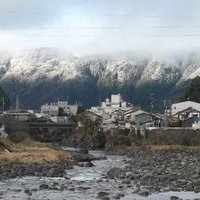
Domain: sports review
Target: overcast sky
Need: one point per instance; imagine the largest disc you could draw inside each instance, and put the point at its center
(91, 26)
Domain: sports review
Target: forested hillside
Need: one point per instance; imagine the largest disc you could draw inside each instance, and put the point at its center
(41, 76)
(4, 99)
(192, 91)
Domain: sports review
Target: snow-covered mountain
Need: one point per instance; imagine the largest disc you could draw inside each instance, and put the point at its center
(37, 64)
(25, 69)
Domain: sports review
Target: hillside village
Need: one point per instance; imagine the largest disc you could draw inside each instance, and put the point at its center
(112, 115)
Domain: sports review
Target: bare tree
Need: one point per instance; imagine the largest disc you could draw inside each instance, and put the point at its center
(12, 125)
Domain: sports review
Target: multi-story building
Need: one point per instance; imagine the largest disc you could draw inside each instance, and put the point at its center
(115, 104)
(53, 108)
(178, 107)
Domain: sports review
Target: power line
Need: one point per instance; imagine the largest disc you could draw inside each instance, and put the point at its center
(91, 14)
(100, 35)
(104, 27)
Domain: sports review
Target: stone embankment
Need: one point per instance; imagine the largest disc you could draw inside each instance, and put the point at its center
(159, 171)
(85, 141)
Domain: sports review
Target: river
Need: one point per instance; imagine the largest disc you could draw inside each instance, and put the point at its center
(84, 183)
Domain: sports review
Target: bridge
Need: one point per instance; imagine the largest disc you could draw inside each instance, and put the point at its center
(68, 125)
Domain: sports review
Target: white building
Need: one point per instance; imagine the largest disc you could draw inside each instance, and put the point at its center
(53, 108)
(178, 107)
(115, 104)
(72, 109)
(50, 109)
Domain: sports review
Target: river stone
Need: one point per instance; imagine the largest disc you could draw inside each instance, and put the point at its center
(197, 189)
(84, 151)
(102, 194)
(103, 198)
(81, 164)
(17, 190)
(116, 197)
(71, 189)
(89, 164)
(63, 186)
(156, 188)
(55, 183)
(30, 194)
(86, 188)
(129, 173)
(174, 189)
(174, 198)
(126, 181)
(43, 186)
(115, 172)
(53, 188)
(34, 190)
(136, 191)
(144, 193)
(26, 191)
(195, 176)
(189, 189)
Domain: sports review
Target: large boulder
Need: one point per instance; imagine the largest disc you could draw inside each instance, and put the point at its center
(99, 141)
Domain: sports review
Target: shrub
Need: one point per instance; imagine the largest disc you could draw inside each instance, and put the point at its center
(2, 144)
(18, 137)
(123, 132)
(118, 140)
(174, 137)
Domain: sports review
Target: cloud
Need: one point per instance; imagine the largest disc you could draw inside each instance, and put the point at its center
(106, 25)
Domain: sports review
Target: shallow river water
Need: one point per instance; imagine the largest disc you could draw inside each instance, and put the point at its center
(87, 182)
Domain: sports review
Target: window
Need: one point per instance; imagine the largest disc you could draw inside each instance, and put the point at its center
(174, 107)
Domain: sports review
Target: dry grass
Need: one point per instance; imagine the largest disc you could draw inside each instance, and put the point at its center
(29, 151)
(161, 147)
(121, 147)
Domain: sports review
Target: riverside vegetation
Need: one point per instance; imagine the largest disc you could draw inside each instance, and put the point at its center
(21, 156)
(30, 158)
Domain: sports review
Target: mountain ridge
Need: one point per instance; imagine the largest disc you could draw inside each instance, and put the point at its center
(55, 72)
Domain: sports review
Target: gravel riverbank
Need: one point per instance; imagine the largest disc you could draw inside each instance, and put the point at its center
(159, 171)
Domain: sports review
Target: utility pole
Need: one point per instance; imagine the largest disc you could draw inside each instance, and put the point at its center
(2, 99)
(152, 100)
(17, 103)
(99, 102)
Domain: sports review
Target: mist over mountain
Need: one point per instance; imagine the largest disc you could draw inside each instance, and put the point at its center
(45, 75)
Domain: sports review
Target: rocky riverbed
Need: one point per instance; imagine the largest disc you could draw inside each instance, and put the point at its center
(159, 171)
(121, 174)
